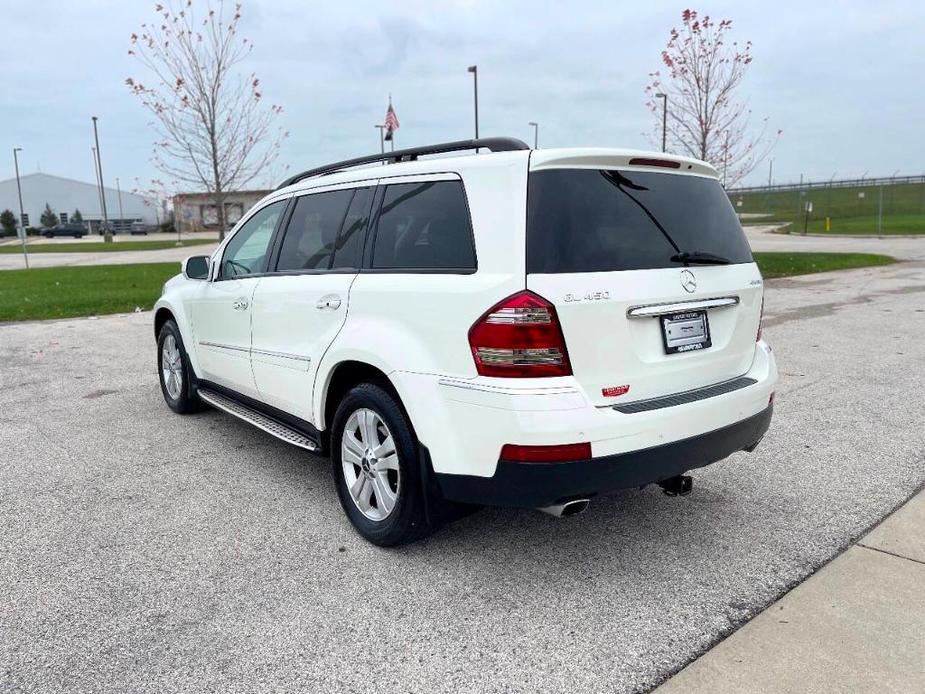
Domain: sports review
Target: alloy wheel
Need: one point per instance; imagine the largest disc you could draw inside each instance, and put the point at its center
(370, 464)
(172, 367)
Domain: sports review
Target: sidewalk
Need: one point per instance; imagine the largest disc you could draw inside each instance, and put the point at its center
(857, 625)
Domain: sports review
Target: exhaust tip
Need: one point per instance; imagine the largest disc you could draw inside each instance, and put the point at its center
(566, 508)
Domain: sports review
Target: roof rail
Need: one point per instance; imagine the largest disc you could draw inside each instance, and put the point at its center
(495, 144)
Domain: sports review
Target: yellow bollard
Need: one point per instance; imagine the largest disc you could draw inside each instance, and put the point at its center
(828, 224)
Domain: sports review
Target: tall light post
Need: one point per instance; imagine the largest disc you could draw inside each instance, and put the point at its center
(22, 238)
(474, 69)
(99, 186)
(664, 98)
(536, 134)
(107, 232)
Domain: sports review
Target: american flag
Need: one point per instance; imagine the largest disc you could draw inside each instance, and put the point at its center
(391, 122)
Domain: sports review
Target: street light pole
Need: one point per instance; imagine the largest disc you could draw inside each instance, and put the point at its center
(664, 98)
(121, 214)
(22, 238)
(536, 134)
(474, 69)
(99, 186)
(107, 232)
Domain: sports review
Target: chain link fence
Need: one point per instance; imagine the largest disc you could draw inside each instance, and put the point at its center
(894, 205)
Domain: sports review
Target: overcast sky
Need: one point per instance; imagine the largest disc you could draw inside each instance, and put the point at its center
(843, 80)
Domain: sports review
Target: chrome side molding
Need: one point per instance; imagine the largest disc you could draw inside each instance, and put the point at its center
(680, 306)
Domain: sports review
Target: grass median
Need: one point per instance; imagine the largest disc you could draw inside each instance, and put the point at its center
(789, 264)
(68, 292)
(100, 247)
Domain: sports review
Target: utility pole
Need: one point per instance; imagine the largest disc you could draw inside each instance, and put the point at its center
(99, 186)
(664, 98)
(119, 190)
(22, 226)
(107, 232)
(474, 69)
(536, 134)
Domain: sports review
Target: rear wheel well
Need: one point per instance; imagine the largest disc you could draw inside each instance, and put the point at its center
(347, 375)
(162, 316)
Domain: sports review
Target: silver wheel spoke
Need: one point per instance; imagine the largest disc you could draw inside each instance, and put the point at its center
(357, 487)
(385, 449)
(387, 463)
(352, 445)
(364, 497)
(385, 497)
(369, 429)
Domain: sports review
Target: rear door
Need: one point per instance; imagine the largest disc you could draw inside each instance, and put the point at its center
(300, 307)
(650, 273)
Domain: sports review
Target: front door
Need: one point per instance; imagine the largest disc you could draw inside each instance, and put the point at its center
(220, 311)
(300, 307)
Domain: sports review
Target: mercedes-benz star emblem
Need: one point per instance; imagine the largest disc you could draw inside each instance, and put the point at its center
(688, 281)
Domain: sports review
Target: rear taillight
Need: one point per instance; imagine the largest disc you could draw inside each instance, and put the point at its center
(760, 319)
(520, 338)
(561, 453)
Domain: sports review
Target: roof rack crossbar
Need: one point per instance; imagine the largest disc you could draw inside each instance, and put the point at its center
(494, 144)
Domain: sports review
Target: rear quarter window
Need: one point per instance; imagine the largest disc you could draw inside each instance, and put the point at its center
(424, 226)
(589, 220)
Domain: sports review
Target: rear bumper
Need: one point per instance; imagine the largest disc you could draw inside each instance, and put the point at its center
(530, 485)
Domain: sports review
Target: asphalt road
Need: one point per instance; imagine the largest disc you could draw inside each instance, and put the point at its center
(141, 551)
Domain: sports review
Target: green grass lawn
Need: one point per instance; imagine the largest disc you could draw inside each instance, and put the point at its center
(899, 224)
(86, 247)
(903, 208)
(787, 264)
(65, 292)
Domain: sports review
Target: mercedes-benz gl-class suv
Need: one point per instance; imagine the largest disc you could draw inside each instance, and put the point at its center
(517, 327)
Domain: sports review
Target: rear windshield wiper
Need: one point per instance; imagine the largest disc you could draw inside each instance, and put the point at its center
(619, 181)
(700, 258)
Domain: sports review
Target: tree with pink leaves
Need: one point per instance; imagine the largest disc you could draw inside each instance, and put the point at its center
(213, 129)
(707, 118)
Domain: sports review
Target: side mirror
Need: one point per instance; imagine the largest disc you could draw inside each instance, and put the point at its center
(197, 267)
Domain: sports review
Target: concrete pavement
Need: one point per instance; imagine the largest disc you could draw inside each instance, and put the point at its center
(858, 625)
(902, 247)
(142, 551)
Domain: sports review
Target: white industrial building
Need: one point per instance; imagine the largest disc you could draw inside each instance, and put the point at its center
(65, 195)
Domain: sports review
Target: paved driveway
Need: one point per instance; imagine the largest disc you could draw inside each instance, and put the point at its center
(903, 247)
(14, 261)
(141, 551)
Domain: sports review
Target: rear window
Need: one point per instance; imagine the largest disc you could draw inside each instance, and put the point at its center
(588, 220)
(424, 226)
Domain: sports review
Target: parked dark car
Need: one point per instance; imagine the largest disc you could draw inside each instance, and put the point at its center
(75, 230)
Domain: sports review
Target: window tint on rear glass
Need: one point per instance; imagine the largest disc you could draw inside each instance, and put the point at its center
(311, 234)
(586, 220)
(424, 226)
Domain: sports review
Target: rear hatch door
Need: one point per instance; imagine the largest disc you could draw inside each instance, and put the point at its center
(650, 273)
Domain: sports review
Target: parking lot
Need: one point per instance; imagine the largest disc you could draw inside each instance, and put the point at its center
(142, 551)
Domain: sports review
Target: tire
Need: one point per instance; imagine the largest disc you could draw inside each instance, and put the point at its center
(369, 411)
(175, 382)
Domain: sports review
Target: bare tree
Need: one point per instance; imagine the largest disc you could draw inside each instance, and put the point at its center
(707, 119)
(213, 129)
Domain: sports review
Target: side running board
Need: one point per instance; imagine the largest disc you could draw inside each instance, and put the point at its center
(258, 419)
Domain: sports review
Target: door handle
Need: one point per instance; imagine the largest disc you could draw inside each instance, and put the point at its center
(329, 302)
(239, 304)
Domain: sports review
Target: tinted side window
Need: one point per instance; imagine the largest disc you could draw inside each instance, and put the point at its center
(312, 231)
(246, 252)
(350, 239)
(424, 226)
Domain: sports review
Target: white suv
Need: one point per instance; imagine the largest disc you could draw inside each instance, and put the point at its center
(519, 327)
